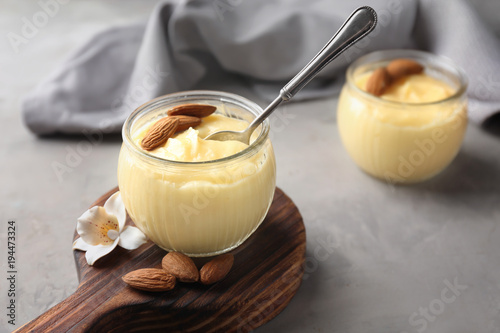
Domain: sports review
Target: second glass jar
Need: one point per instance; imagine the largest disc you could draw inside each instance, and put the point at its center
(402, 142)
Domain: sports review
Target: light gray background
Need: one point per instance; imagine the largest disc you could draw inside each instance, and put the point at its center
(389, 251)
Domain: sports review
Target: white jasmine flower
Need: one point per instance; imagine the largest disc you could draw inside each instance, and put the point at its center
(102, 228)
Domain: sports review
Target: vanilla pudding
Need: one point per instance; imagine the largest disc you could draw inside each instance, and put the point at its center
(195, 196)
(414, 129)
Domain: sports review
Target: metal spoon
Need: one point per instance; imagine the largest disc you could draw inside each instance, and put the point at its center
(361, 22)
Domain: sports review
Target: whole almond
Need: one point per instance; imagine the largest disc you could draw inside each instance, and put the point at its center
(193, 110)
(402, 67)
(186, 121)
(159, 133)
(150, 279)
(180, 266)
(378, 82)
(216, 269)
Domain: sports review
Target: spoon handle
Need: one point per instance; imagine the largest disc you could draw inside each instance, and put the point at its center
(361, 22)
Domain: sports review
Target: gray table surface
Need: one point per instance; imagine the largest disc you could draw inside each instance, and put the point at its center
(422, 258)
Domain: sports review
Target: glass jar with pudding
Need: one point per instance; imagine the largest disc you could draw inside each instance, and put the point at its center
(402, 114)
(195, 196)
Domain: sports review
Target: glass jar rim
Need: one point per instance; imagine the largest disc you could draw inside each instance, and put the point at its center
(250, 106)
(387, 55)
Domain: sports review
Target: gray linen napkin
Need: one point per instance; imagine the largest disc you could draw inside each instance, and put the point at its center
(248, 46)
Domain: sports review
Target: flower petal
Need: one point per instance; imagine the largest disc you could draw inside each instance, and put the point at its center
(94, 224)
(79, 244)
(114, 206)
(99, 251)
(131, 238)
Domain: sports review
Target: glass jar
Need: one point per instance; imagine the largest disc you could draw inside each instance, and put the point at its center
(402, 142)
(197, 208)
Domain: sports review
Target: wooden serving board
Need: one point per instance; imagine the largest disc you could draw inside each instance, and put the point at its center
(266, 274)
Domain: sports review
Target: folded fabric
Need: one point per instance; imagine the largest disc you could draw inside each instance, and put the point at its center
(248, 47)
